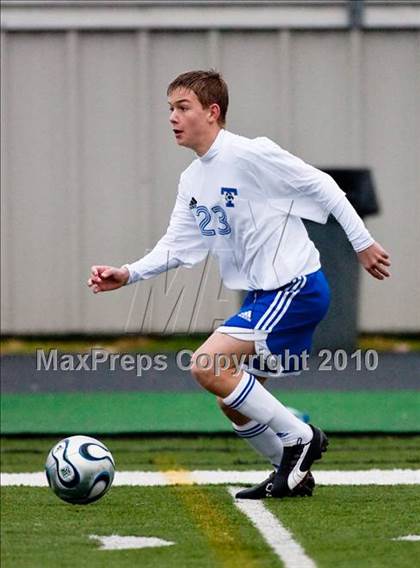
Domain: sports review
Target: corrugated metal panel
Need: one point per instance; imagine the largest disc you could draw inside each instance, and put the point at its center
(213, 14)
(392, 148)
(90, 169)
(40, 220)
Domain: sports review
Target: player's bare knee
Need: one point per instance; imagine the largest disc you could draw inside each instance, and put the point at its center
(202, 374)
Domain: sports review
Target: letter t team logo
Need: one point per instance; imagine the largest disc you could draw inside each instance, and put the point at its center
(229, 193)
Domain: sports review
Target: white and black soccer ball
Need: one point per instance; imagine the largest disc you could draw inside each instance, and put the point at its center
(80, 469)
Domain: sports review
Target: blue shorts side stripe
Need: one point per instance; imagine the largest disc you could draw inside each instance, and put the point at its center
(277, 305)
(291, 294)
(245, 391)
(267, 313)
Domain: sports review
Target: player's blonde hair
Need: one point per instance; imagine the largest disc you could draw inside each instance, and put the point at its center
(209, 88)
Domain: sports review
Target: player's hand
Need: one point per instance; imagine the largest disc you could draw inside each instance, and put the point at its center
(106, 278)
(375, 260)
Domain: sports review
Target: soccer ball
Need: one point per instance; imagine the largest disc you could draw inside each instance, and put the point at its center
(80, 469)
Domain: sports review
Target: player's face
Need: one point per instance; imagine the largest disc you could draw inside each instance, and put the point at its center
(191, 124)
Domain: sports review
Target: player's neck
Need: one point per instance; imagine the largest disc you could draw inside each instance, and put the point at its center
(206, 143)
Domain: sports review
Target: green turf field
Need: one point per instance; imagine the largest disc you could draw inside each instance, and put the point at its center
(339, 526)
(218, 452)
(196, 412)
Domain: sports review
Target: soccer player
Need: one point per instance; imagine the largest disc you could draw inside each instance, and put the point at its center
(243, 200)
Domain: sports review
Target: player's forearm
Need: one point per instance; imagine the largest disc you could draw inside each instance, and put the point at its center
(353, 225)
(153, 264)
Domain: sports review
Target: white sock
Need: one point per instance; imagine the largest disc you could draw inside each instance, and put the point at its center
(262, 438)
(254, 401)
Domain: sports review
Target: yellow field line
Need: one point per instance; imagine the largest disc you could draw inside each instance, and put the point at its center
(224, 541)
(180, 477)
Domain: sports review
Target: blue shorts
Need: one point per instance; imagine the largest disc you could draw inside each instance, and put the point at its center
(281, 323)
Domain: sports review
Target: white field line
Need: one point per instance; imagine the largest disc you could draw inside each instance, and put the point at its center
(274, 533)
(116, 542)
(221, 477)
(408, 538)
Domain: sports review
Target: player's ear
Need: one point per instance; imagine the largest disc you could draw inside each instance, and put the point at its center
(214, 112)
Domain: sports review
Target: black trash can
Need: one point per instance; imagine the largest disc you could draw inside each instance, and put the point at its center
(340, 327)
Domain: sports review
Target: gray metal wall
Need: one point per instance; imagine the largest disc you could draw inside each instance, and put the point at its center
(90, 170)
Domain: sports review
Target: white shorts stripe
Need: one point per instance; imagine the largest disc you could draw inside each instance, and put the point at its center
(282, 300)
(287, 303)
(268, 311)
(274, 306)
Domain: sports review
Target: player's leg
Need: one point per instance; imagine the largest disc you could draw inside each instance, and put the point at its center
(290, 319)
(260, 437)
(290, 332)
(265, 442)
(303, 443)
(302, 304)
(240, 390)
(215, 366)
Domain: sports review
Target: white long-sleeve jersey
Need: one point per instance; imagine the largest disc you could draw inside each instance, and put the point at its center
(243, 201)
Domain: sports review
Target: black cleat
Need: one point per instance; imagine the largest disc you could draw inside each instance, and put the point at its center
(296, 463)
(263, 490)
